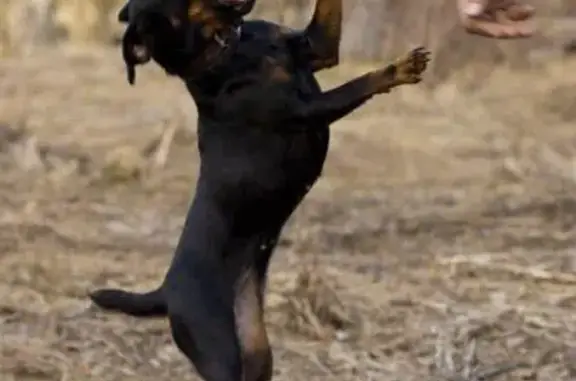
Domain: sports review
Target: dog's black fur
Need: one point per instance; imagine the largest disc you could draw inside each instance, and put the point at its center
(317, 46)
(263, 131)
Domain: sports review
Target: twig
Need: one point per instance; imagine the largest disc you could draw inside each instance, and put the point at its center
(470, 359)
(163, 149)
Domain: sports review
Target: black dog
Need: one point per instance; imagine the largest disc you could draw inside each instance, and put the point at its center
(263, 133)
(318, 46)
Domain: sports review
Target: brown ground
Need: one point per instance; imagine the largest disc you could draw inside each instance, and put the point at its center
(439, 242)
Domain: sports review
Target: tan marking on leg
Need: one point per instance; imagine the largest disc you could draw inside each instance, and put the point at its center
(251, 329)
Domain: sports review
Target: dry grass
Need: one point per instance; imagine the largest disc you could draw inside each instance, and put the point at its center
(438, 246)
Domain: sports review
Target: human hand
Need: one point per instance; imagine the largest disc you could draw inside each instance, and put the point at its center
(496, 18)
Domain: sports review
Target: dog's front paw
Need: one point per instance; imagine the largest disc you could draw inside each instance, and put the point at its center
(409, 69)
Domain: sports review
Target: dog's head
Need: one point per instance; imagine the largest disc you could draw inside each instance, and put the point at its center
(175, 32)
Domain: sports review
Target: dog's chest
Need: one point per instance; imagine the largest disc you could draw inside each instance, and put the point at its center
(276, 69)
(264, 55)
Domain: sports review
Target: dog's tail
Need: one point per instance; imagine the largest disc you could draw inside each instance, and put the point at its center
(148, 304)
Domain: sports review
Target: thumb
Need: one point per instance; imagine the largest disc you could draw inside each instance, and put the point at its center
(472, 8)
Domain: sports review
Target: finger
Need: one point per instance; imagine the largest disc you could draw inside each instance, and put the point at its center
(501, 18)
(520, 12)
(494, 29)
(512, 28)
(472, 8)
(516, 10)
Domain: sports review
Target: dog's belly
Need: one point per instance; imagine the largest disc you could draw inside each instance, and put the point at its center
(264, 175)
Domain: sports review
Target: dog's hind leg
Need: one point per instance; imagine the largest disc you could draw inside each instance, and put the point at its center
(146, 304)
(249, 311)
(202, 321)
(200, 294)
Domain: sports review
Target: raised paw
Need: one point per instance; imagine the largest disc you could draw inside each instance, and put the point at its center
(409, 68)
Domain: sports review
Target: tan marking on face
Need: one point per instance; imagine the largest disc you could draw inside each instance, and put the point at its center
(199, 12)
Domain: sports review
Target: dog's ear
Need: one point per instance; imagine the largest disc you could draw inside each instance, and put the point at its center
(124, 13)
(134, 52)
(128, 54)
